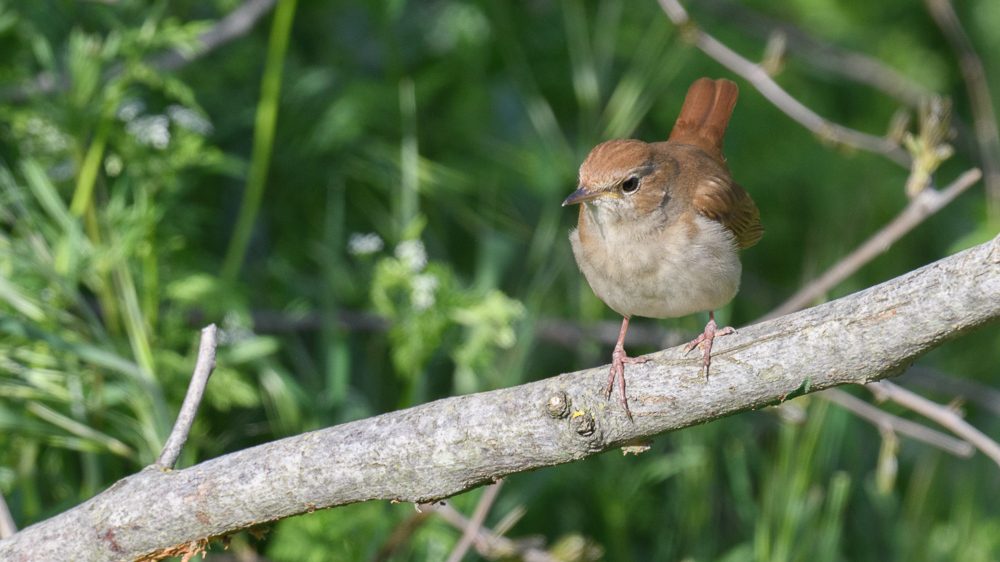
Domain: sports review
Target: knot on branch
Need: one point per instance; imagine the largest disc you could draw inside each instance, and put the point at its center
(584, 423)
(558, 405)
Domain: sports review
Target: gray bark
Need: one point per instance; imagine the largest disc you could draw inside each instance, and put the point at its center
(445, 447)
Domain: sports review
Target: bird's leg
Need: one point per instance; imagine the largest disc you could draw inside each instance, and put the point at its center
(618, 360)
(705, 341)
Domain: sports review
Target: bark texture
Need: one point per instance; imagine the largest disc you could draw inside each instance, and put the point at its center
(445, 447)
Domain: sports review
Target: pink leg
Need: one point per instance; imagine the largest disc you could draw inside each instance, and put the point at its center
(618, 360)
(705, 341)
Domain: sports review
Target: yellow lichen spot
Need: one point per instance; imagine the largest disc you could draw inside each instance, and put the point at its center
(577, 413)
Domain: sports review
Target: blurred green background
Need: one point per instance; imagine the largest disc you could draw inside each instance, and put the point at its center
(365, 196)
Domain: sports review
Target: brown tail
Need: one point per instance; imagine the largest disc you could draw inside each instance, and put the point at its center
(705, 115)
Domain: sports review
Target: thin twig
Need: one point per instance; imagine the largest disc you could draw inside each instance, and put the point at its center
(492, 545)
(401, 535)
(476, 522)
(203, 368)
(822, 55)
(885, 390)
(234, 25)
(569, 334)
(832, 59)
(565, 333)
(975, 392)
(270, 321)
(774, 93)
(882, 419)
(925, 204)
(984, 119)
(7, 525)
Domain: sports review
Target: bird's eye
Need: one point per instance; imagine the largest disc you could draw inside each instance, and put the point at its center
(630, 185)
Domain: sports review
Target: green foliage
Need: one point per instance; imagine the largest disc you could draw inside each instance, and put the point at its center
(423, 300)
(350, 533)
(403, 239)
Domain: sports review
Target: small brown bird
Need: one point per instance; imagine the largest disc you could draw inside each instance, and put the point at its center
(661, 224)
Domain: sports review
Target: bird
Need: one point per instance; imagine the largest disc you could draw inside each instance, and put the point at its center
(661, 224)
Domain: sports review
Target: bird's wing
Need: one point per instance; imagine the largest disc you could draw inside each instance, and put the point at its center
(730, 204)
(702, 123)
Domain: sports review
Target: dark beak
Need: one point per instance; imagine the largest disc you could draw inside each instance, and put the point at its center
(581, 195)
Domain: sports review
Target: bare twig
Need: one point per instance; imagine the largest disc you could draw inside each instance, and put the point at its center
(270, 321)
(569, 334)
(822, 55)
(476, 522)
(492, 545)
(234, 25)
(984, 119)
(925, 204)
(885, 390)
(565, 333)
(203, 368)
(401, 535)
(832, 59)
(882, 419)
(781, 99)
(977, 393)
(7, 525)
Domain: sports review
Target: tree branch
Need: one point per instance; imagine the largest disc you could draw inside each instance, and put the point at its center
(984, 119)
(885, 390)
(491, 544)
(7, 525)
(559, 331)
(969, 390)
(925, 204)
(203, 368)
(448, 446)
(827, 59)
(475, 524)
(234, 25)
(774, 93)
(884, 420)
(821, 54)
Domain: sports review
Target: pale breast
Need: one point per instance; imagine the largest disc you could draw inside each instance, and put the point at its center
(683, 269)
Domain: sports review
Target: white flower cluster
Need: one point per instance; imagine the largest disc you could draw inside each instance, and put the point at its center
(131, 109)
(113, 165)
(363, 244)
(412, 254)
(422, 289)
(151, 130)
(154, 130)
(46, 134)
(189, 119)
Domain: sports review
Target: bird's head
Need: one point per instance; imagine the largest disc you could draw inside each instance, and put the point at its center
(625, 180)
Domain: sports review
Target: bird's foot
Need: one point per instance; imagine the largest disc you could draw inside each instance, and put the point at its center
(618, 361)
(704, 341)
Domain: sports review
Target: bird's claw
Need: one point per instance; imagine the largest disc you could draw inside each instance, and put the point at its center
(618, 361)
(704, 341)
